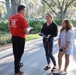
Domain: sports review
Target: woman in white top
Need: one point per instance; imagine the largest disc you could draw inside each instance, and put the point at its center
(65, 43)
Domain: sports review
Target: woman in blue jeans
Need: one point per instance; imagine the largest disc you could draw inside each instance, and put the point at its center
(49, 30)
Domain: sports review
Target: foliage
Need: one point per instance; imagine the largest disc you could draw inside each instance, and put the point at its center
(57, 21)
(73, 22)
(60, 7)
(36, 24)
(5, 38)
(4, 26)
(32, 36)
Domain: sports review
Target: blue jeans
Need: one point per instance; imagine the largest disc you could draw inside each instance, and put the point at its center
(48, 45)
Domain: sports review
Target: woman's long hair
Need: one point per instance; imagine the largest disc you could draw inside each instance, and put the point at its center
(69, 25)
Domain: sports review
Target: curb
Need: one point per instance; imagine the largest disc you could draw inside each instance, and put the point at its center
(9, 51)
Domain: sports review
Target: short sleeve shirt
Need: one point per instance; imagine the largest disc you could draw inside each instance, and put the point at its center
(17, 24)
(66, 36)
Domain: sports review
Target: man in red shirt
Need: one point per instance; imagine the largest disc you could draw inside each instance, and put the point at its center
(18, 28)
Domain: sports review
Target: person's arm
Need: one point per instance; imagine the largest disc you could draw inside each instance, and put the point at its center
(69, 39)
(55, 31)
(42, 30)
(25, 26)
(59, 44)
(26, 31)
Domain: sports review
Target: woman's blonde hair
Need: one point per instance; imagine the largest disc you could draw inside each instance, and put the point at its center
(69, 25)
(49, 15)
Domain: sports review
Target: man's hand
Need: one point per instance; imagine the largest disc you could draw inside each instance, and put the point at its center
(27, 30)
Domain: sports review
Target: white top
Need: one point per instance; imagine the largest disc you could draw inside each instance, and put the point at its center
(64, 37)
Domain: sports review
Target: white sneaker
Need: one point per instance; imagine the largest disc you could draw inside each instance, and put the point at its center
(63, 72)
(56, 71)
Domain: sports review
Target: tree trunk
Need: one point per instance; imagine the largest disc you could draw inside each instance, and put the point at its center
(13, 7)
(8, 8)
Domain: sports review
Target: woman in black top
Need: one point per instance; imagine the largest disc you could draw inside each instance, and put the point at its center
(49, 30)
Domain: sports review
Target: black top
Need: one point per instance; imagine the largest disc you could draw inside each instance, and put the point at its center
(51, 29)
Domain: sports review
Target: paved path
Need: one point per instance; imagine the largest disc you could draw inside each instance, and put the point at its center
(34, 59)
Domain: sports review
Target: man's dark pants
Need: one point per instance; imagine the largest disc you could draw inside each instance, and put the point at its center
(18, 50)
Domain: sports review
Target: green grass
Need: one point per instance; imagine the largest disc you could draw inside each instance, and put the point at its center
(32, 37)
(5, 37)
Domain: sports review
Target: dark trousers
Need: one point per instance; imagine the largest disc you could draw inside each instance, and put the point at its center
(18, 50)
(48, 45)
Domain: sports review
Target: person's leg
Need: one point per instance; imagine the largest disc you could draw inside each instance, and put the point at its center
(21, 45)
(50, 48)
(18, 43)
(66, 62)
(15, 52)
(60, 55)
(46, 51)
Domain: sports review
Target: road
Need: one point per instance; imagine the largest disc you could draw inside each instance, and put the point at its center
(34, 59)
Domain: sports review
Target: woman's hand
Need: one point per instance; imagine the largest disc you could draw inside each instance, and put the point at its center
(48, 36)
(64, 50)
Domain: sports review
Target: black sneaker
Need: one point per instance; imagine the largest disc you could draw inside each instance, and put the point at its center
(19, 73)
(47, 68)
(21, 64)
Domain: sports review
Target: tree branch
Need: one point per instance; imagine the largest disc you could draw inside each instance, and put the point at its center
(59, 3)
(52, 8)
(70, 3)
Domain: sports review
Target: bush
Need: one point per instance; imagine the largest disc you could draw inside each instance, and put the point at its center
(73, 22)
(57, 21)
(36, 24)
(5, 38)
(4, 26)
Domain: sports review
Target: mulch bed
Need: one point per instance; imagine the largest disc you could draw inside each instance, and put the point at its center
(4, 47)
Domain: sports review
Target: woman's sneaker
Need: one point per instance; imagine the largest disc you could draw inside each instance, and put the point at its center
(53, 69)
(47, 68)
(63, 72)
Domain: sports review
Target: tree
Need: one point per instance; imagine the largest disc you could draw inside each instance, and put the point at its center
(14, 5)
(7, 2)
(12, 9)
(59, 7)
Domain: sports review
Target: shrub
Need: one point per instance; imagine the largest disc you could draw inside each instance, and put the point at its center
(4, 26)
(5, 38)
(36, 24)
(73, 22)
(57, 21)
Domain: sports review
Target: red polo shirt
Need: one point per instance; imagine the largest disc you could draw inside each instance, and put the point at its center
(17, 25)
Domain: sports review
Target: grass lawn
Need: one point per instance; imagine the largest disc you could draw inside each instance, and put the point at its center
(32, 36)
(5, 37)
